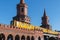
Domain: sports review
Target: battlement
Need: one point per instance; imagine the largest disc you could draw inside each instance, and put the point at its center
(6, 26)
(27, 27)
(10, 27)
(15, 29)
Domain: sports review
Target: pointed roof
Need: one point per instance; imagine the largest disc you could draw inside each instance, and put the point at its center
(22, 1)
(44, 13)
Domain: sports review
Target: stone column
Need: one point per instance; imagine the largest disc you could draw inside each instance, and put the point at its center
(5, 37)
(35, 38)
(42, 38)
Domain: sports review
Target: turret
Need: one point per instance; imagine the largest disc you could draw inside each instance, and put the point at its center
(22, 8)
(45, 21)
(21, 13)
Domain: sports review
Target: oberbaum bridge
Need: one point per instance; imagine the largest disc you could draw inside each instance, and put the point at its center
(20, 27)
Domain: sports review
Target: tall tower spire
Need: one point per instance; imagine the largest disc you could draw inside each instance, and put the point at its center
(21, 13)
(45, 21)
(45, 18)
(44, 13)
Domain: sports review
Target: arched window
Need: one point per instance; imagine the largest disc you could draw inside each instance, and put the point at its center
(2, 37)
(28, 37)
(39, 38)
(22, 9)
(10, 37)
(23, 37)
(32, 38)
(17, 37)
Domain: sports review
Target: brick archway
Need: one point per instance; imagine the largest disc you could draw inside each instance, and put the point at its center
(10, 37)
(2, 37)
(17, 37)
(23, 37)
(32, 38)
(46, 37)
(28, 37)
(39, 38)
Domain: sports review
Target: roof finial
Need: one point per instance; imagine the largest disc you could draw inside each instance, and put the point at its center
(21, 1)
(44, 12)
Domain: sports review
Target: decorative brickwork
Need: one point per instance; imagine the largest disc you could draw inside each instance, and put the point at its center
(7, 30)
(21, 13)
(21, 28)
(45, 21)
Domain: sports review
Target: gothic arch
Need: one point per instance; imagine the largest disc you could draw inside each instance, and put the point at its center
(2, 37)
(28, 37)
(23, 37)
(32, 38)
(10, 37)
(17, 37)
(39, 38)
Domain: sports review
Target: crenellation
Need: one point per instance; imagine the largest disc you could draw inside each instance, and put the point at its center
(21, 26)
(17, 28)
(5, 26)
(1, 25)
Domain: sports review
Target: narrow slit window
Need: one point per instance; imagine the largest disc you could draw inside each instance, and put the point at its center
(22, 9)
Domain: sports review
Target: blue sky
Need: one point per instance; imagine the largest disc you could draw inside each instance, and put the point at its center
(35, 11)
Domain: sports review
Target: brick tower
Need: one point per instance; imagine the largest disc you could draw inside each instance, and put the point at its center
(21, 13)
(45, 21)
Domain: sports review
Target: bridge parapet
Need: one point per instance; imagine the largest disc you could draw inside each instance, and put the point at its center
(27, 27)
(14, 28)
